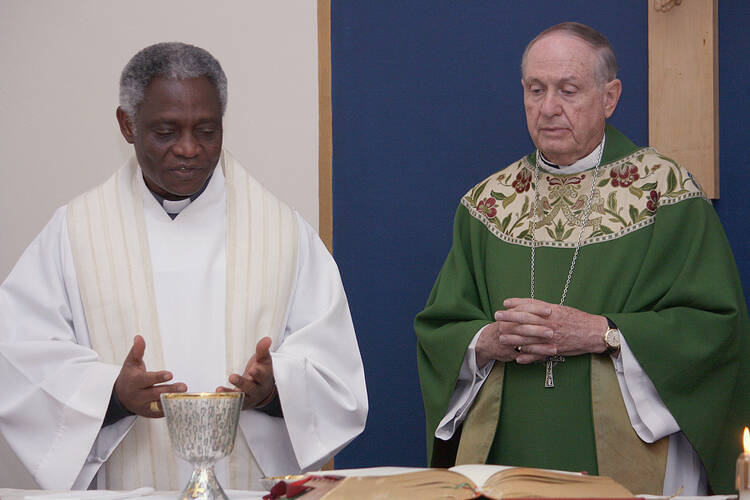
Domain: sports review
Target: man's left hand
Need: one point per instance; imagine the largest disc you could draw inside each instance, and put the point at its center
(574, 331)
(257, 381)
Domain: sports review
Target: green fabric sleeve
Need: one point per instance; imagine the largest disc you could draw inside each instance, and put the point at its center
(688, 328)
(457, 308)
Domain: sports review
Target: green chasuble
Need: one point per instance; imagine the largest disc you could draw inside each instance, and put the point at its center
(654, 258)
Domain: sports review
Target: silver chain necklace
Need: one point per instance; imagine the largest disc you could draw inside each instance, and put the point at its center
(551, 361)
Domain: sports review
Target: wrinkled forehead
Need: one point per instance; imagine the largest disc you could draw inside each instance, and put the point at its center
(561, 53)
(199, 86)
(178, 97)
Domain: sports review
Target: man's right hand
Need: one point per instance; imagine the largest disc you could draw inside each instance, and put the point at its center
(498, 339)
(137, 388)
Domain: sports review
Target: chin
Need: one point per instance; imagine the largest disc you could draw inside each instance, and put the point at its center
(188, 191)
(186, 185)
(549, 151)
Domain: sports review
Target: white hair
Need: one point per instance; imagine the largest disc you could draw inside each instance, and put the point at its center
(606, 69)
(173, 61)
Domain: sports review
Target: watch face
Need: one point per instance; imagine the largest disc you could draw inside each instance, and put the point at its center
(613, 338)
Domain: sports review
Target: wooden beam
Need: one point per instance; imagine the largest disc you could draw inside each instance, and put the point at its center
(325, 126)
(325, 135)
(683, 86)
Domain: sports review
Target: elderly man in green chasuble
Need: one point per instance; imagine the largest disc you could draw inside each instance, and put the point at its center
(589, 316)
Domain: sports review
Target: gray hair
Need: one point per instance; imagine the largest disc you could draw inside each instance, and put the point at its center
(173, 61)
(606, 70)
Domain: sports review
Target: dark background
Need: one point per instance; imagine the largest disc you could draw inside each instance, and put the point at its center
(427, 102)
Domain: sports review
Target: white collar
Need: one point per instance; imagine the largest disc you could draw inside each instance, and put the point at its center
(175, 206)
(214, 189)
(585, 163)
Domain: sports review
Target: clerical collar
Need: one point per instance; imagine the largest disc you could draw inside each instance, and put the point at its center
(585, 163)
(174, 207)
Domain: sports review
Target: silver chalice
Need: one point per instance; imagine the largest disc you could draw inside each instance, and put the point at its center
(202, 427)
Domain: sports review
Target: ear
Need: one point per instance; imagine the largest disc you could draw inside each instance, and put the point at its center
(126, 126)
(612, 91)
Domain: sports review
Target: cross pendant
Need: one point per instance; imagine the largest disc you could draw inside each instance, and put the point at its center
(549, 379)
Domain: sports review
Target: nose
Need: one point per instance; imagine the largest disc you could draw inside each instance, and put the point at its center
(186, 146)
(551, 104)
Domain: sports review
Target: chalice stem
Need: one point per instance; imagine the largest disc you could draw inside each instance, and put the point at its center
(203, 485)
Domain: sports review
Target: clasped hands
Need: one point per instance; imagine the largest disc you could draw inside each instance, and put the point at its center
(138, 389)
(540, 329)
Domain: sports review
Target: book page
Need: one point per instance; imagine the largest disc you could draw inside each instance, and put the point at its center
(479, 473)
(460, 483)
(522, 482)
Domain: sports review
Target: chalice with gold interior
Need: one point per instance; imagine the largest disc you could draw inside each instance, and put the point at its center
(202, 427)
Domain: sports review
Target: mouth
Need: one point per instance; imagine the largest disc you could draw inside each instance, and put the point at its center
(553, 130)
(187, 172)
(183, 169)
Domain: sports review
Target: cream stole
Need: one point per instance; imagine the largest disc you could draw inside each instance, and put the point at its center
(620, 453)
(110, 249)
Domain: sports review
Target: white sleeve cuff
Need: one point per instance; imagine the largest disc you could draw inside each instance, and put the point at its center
(649, 416)
(470, 380)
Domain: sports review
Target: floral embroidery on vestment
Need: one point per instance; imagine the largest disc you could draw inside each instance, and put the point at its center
(627, 197)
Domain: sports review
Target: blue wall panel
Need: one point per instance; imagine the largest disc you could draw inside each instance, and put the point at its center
(427, 101)
(733, 206)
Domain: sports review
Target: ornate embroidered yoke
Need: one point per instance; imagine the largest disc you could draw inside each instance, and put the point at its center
(628, 194)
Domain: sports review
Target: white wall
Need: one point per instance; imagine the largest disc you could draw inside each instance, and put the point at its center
(60, 63)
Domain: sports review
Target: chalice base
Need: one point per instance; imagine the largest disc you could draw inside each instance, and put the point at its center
(203, 485)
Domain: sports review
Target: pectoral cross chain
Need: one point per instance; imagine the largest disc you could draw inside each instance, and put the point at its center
(549, 379)
(537, 212)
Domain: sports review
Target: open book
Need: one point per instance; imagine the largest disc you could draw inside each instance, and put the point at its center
(466, 482)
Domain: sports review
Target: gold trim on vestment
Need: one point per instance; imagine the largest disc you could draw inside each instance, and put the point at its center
(481, 423)
(620, 453)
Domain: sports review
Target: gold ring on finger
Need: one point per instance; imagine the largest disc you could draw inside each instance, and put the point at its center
(154, 407)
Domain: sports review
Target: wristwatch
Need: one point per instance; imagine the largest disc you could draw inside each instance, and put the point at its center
(612, 339)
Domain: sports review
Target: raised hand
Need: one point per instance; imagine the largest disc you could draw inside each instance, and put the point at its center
(257, 380)
(137, 388)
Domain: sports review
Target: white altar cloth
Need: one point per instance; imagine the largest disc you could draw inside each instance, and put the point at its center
(150, 494)
(140, 494)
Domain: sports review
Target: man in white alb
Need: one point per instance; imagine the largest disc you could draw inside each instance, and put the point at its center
(179, 273)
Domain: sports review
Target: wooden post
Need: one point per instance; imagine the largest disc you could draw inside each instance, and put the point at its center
(683, 86)
(325, 134)
(325, 128)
